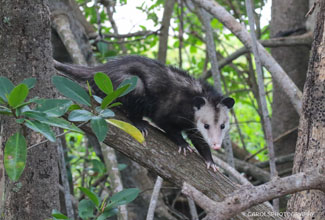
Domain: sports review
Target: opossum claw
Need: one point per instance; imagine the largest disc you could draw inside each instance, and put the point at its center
(212, 165)
(185, 149)
(144, 132)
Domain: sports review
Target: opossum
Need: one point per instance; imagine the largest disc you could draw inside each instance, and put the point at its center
(171, 98)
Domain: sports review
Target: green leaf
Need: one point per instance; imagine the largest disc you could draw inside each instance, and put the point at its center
(99, 127)
(91, 195)
(108, 213)
(80, 115)
(5, 88)
(20, 120)
(124, 197)
(58, 215)
(89, 89)
(71, 90)
(22, 109)
(114, 104)
(132, 82)
(98, 99)
(128, 128)
(29, 82)
(53, 107)
(2, 102)
(114, 95)
(5, 111)
(102, 47)
(15, 154)
(86, 209)
(44, 129)
(61, 123)
(28, 102)
(106, 113)
(98, 166)
(103, 82)
(74, 107)
(18, 95)
(40, 116)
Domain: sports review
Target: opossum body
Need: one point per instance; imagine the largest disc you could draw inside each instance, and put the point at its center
(171, 98)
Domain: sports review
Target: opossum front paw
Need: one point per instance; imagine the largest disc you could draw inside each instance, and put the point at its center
(144, 132)
(212, 165)
(184, 149)
(143, 127)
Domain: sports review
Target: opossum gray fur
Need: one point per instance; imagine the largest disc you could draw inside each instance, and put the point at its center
(171, 98)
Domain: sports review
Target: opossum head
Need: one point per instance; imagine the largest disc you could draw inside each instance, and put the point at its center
(212, 120)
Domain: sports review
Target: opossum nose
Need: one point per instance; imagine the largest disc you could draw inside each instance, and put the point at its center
(216, 146)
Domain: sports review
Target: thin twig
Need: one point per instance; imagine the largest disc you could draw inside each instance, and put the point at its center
(154, 198)
(192, 207)
(65, 181)
(2, 170)
(180, 15)
(312, 8)
(266, 119)
(59, 135)
(135, 34)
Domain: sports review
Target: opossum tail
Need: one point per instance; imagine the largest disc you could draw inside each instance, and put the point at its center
(80, 73)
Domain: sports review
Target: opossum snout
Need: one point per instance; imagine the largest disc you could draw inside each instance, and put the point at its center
(216, 146)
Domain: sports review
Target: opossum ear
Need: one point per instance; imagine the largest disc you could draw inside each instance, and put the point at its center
(198, 102)
(229, 102)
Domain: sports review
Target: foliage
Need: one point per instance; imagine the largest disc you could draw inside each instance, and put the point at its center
(103, 208)
(45, 113)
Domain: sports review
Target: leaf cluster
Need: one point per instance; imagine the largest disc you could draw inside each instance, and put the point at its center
(40, 114)
(95, 208)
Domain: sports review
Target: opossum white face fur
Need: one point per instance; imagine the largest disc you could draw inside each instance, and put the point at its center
(212, 121)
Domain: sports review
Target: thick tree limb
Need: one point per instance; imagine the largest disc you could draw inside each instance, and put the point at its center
(267, 60)
(160, 155)
(249, 196)
(62, 26)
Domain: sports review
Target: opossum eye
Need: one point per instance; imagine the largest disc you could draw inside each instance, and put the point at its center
(222, 126)
(206, 126)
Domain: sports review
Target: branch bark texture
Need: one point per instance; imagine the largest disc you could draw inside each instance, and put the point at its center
(310, 149)
(248, 196)
(161, 156)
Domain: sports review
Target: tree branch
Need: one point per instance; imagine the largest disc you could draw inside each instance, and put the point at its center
(61, 24)
(248, 196)
(267, 60)
(160, 155)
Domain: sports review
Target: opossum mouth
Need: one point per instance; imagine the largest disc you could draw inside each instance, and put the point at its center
(216, 148)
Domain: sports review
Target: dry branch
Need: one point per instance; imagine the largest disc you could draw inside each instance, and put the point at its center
(267, 60)
(248, 196)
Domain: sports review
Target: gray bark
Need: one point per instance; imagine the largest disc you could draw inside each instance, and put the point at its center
(25, 42)
(310, 149)
(161, 156)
